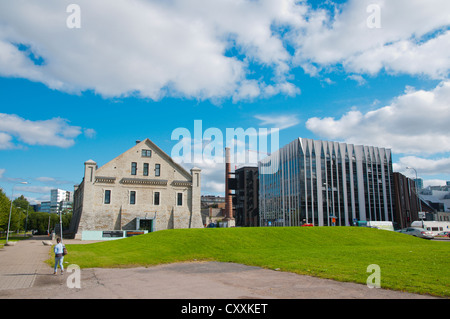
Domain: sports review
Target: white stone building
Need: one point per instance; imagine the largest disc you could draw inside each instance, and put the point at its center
(141, 189)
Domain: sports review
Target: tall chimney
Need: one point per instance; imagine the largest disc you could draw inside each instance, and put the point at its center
(228, 195)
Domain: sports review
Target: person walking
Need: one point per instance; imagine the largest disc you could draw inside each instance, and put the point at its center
(59, 257)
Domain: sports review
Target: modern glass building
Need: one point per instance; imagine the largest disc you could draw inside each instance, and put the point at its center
(324, 184)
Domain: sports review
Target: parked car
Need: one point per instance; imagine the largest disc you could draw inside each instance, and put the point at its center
(418, 232)
(444, 234)
(432, 225)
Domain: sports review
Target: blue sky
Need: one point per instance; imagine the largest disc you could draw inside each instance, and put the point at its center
(134, 71)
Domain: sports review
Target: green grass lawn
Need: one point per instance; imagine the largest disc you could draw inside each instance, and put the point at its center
(341, 253)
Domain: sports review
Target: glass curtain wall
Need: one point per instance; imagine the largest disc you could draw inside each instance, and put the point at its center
(325, 184)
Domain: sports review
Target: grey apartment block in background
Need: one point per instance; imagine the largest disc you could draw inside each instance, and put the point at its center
(324, 184)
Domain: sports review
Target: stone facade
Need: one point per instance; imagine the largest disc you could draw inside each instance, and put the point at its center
(142, 188)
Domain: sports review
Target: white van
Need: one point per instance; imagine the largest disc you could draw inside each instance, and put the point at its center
(434, 226)
(381, 225)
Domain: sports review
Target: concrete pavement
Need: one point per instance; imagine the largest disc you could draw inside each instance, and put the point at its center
(23, 274)
(21, 263)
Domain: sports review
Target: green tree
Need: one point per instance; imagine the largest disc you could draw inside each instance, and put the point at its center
(42, 221)
(5, 206)
(4, 211)
(21, 202)
(66, 218)
(39, 221)
(23, 206)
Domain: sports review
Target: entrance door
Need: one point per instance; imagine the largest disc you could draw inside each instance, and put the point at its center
(146, 224)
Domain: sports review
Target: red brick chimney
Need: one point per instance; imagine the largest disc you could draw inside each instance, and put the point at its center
(228, 194)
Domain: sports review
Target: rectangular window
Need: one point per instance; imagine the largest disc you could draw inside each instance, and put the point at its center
(107, 196)
(157, 169)
(179, 199)
(132, 197)
(145, 169)
(146, 153)
(133, 168)
(156, 200)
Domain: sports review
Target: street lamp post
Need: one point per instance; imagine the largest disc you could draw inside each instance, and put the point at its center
(415, 190)
(60, 224)
(10, 209)
(18, 222)
(330, 208)
(26, 221)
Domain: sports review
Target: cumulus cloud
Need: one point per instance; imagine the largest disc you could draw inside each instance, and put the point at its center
(209, 49)
(406, 57)
(54, 132)
(424, 166)
(413, 38)
(149, 48)
(414, 122)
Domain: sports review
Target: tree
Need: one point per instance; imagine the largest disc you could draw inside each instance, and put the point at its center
(4, 211)
(5, 206)
(39, 221)
(21, 202)
(23, 206)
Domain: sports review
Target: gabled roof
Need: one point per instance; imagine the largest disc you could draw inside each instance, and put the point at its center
(168, 158)
(160, 152)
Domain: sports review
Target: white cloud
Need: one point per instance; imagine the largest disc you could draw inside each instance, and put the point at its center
(431, 58)
(246, 153)
(213, 178)
(53, 132)
(35, 189)
(90, 133)
(414, 122)
(358, 78)
(149, 48)
(413, 38)
(205, 49)
(424, 166)
(52, 181)
(251, 89)
(213, 166)
(212, 175)
(5, 141)
(278, 121)
(2, 171)
(434, 182)
(39, 199)
(179, 47)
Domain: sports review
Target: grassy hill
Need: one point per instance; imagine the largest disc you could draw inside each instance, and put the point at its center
(341, 253)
